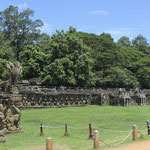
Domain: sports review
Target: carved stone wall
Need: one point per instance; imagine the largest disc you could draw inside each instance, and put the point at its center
(40, 97)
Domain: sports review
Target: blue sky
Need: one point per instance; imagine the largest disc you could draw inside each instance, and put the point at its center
(117, 17)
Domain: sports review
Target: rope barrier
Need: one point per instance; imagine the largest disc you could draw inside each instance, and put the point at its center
(107, 130)
(134, 131)
(63, 127)
(78, 127)
(143, 130)
(52, 127)
(117, 143)
(124, 138)
(105, 143)
(142, 134)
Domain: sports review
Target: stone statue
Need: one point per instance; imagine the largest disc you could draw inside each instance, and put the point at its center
(14, 70)
(10, 100)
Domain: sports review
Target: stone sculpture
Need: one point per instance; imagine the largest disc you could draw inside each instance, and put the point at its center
(9, 102)
(14, 70)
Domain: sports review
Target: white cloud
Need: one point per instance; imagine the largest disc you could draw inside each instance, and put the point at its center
(114, 32)
(22, 6)
(99, 12)
(47, 28)
(83, 28)
(119, 32)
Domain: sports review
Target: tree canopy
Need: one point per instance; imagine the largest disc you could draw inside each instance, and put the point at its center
(71, 58)
(19, 28)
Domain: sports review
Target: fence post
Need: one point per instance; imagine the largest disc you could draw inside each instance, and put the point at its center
(90, 131)
(148, 127)
(65, 130)
(49, 144)
(135, 132)
(96, 139)
(41, 129)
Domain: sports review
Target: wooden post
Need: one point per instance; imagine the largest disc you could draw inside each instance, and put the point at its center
(49, 144)
(41, 129)
(135, 132)
(90, 131)
(65, 130)
(96, 139)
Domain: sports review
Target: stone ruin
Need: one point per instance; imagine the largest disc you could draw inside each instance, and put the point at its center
(10, 101)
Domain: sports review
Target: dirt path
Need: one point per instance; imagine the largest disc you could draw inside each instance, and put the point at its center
(44, 148)
(142, 145)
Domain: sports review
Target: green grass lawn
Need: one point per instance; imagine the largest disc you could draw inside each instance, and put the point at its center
(106, 117)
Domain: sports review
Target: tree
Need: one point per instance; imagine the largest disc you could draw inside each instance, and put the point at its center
(119, 77)
(6, 55)
(102, 49)
(70, 61)
(19, 28)
(33, 61)
(6, 51)
(143, 48)
(124, 41)
(139, 39)
(140, 43)
(143, 75)
(106, 35)
(59, 72)
(44, 42)
(141, 70)
(111, 60)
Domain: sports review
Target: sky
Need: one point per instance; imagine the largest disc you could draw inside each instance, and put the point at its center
(117, 17)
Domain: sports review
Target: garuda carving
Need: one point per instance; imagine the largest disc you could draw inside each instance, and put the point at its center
(14, 70)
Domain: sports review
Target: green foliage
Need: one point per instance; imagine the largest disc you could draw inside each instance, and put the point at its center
(124, 41)
(32, 61)
(114, 63)
(3, 70)
(107, 36)
(139, 39)
(119, 77)
(70, 62)
(140, 43)
(143, 74)
(6, 54)
(71, 58)
(142, 71)
(44, 42)
(19, 28)
(59, 72)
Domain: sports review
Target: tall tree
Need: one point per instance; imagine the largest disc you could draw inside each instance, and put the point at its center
(6, 54)
(124, 41)
(138, 40)
(32, 61)
(106, 35)
(19, 28)
(140, 43)
(44, 42)
(70, 61)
